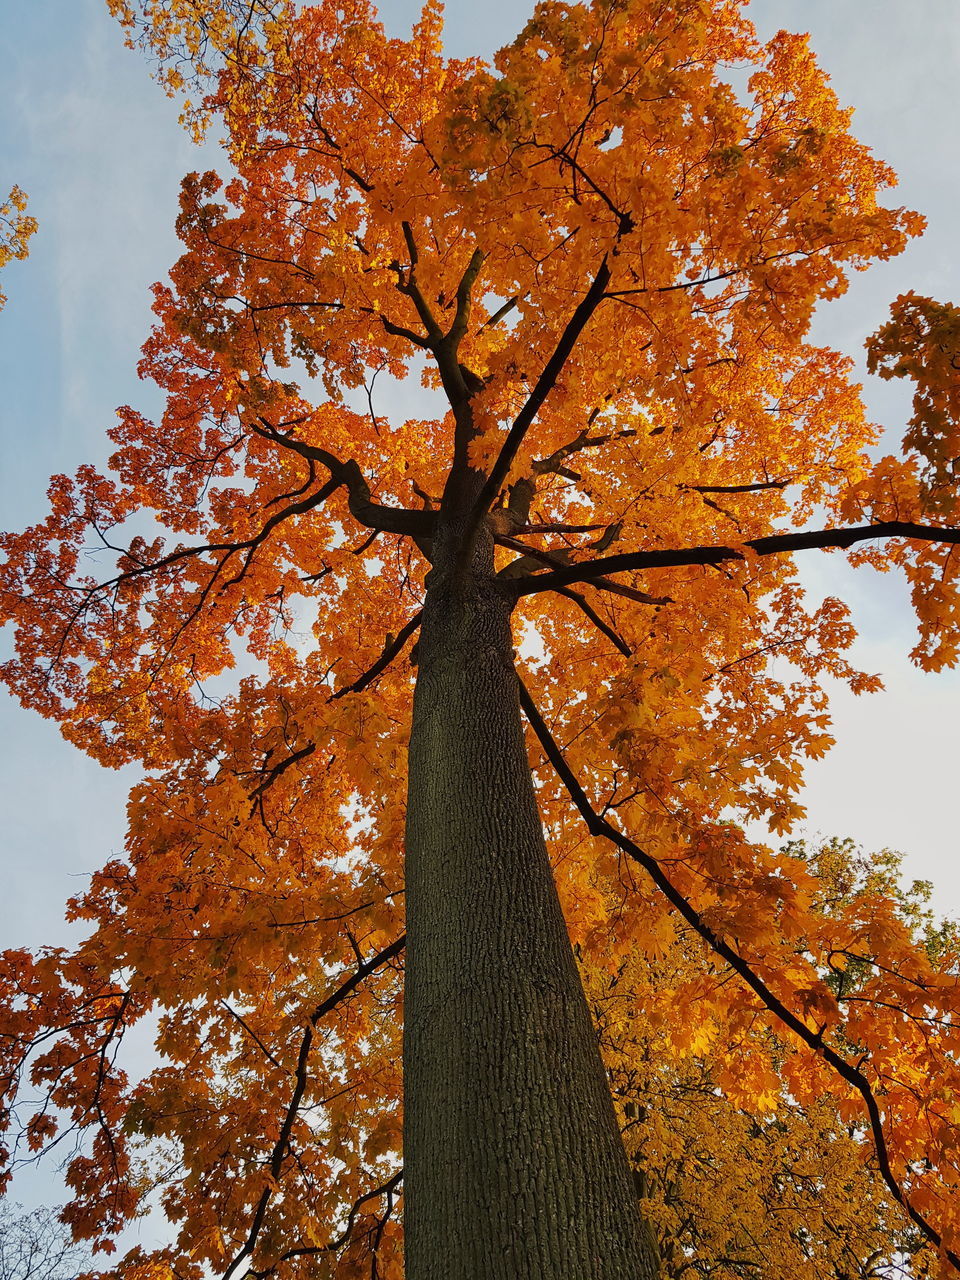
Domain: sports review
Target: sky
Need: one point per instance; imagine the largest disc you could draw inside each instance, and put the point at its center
(97, 147)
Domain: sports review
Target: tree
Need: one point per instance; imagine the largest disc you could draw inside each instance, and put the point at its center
(601, 260)
(35, 1246)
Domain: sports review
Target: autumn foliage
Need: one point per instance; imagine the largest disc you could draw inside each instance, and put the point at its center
(16, 228)
(600, 257)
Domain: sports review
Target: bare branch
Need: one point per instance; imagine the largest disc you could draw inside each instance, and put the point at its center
(500, 313)
(738, 488)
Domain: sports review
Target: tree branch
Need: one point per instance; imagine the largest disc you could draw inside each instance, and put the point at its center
(461, 318)
(775, 544)
(348, 475)
(387, 1189)
(391, 648)
(408, 285)
(500, 313)
(363, 972)
(251, 1033)
(738, 488)
(534, 556)
(543, 466)
(280, 768)
(544, 385)
(279, 1152)
(599, 826)
(597, 621)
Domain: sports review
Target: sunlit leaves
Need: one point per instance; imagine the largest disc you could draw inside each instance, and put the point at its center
(16, 228)
(921, 342)
(232, 609)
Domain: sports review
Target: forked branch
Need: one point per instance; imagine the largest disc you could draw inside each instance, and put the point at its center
(542, 388)
(348, 475)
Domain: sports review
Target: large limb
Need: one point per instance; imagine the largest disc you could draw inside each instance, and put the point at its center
(542, 388)
(533, 558)
(599, 826)
(349, 476)
(775, 544)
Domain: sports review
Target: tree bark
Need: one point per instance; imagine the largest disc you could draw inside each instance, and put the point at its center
(514, 1165)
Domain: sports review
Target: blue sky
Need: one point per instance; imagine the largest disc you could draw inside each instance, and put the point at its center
(97, 147)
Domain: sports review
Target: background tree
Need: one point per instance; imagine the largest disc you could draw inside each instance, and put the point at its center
(35, 1245)
(603, 261)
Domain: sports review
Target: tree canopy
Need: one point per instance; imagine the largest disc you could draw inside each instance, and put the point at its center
(600, 256)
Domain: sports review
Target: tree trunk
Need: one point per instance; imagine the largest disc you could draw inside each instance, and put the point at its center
(514, 1166)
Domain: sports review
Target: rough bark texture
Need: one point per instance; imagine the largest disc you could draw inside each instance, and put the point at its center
(514, 1163)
